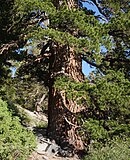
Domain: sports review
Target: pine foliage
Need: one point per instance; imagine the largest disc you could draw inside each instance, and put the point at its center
(101, 40)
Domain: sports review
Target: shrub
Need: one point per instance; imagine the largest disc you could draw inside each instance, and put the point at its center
(107, 114)
(113, 150)
(15, 141)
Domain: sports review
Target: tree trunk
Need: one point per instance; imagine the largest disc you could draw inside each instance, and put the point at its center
(62, 123)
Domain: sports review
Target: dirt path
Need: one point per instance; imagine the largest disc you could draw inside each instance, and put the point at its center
(37, 156)
(45, 149)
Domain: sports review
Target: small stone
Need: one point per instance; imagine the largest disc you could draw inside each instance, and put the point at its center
(45, 158)
(41, 147)
(52, 149)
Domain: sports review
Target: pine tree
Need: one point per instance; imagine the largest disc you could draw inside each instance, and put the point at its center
(70, 33)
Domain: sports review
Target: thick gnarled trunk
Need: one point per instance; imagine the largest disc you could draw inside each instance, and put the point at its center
(62, 123)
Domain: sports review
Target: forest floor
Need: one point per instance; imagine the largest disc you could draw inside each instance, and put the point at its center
(45, 149)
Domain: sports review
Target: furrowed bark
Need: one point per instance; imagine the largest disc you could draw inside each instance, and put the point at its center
(62, 122)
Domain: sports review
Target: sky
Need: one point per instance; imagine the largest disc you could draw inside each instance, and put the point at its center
(92, 7)
(86, 67)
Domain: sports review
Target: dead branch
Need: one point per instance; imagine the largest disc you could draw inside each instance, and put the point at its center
(71, 123)
(6, 47)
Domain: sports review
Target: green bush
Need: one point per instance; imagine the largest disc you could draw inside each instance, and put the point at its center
(15, 141)
(107, 114)
(113, 150)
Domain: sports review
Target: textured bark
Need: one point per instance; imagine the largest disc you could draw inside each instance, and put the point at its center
(70, 3)
(62, 123)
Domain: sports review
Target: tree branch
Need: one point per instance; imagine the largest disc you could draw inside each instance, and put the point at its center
(98, 7)
(45, 47)
(5, 47)
(109, 59)
(89, 62)
(96, 4)
(71, 123)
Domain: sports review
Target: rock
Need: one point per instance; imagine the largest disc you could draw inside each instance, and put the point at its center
(47, 146)
(52, 149)
(41, 148)
(45, 158)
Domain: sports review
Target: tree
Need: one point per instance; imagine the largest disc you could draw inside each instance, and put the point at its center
(62, 57)
(72, 34)
(67, 60)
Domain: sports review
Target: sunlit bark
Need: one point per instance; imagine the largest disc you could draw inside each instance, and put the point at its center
(62, 123)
